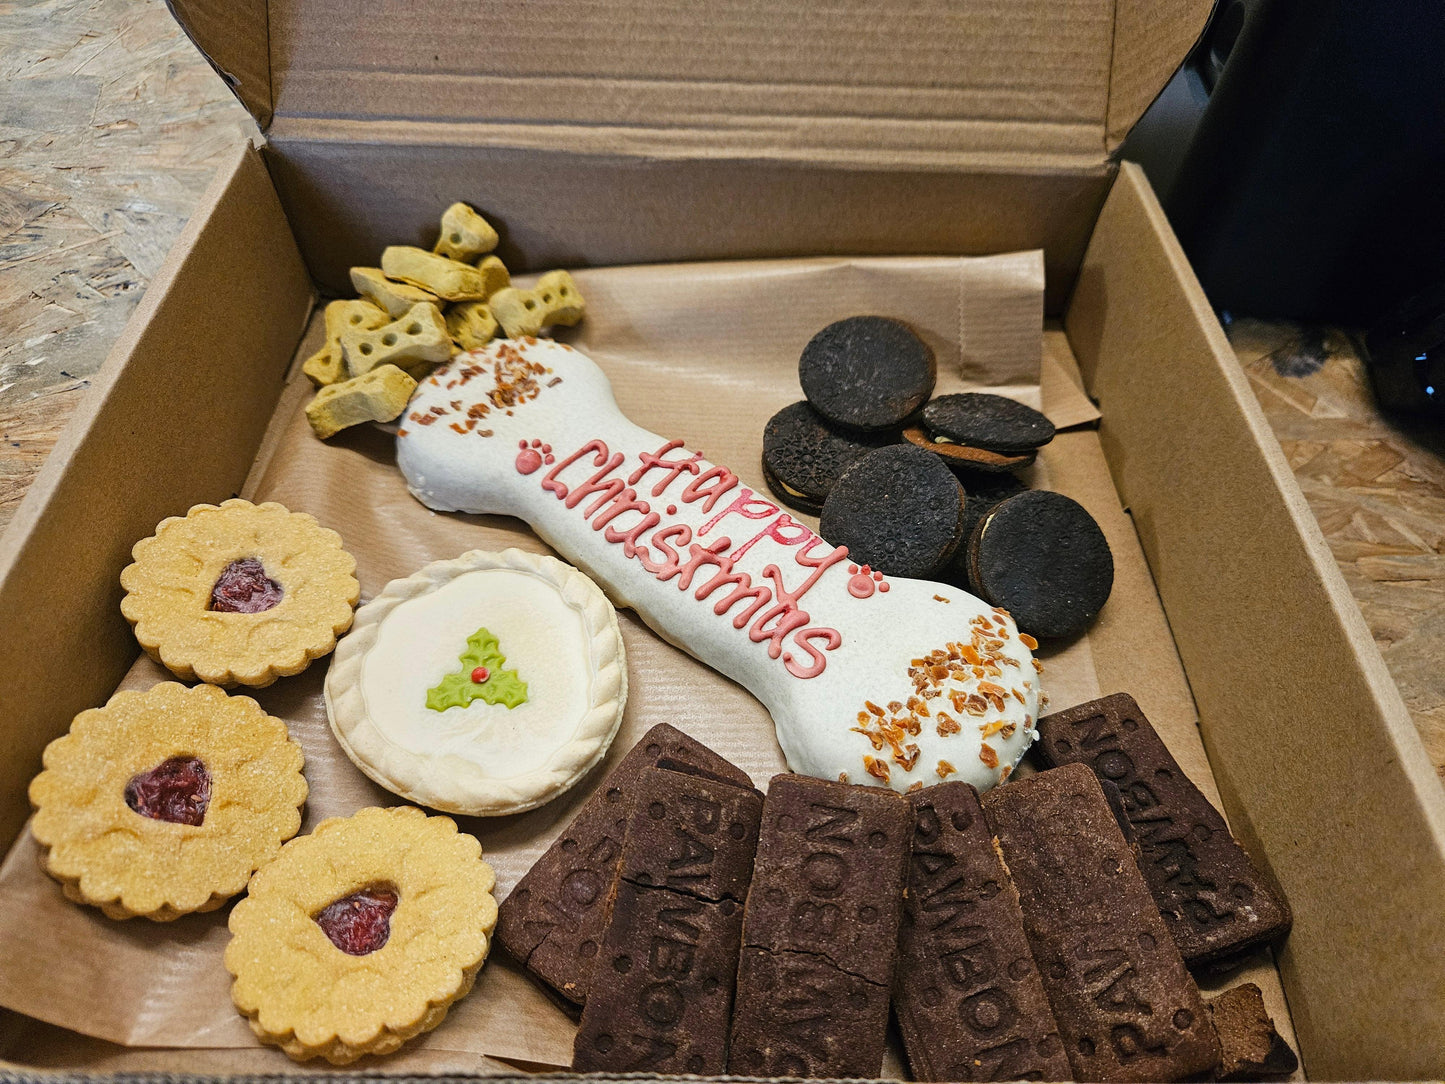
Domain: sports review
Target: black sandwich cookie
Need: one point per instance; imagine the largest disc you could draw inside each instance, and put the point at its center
(867, 372)
(980, 420)
(1043, 558)
(898, 509)
(967, 456)
(803, 456)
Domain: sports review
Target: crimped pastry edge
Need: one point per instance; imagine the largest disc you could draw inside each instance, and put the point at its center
(362, 741)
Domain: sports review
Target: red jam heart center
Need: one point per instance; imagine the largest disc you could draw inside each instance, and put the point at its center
(177, 790)
(361, 922)
(244, 588)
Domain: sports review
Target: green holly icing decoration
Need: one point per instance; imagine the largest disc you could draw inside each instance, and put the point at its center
(457, 690)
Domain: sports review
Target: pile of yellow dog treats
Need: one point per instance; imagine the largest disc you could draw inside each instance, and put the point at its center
(416, 311)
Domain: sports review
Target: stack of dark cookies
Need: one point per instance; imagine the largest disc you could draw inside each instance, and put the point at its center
(1047, 931)
(924, 487)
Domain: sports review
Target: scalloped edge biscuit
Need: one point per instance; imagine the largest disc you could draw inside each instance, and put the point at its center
(168, 590)
(100, 850)
(301, 993)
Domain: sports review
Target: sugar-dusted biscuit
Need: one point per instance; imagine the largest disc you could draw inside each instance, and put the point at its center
(465, 235)
(239, 594)
(554, 300)
(900, 682)
(448, 279)
(471, 324)
(164, 802)
(362, 934)
(982, 420)
(395, 297)
(414, 343)
(867, 372)
(375, 396)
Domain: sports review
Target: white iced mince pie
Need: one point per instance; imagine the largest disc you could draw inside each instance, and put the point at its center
(484, 686)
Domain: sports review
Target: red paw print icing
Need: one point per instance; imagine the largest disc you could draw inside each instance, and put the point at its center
(865, 581)
(533, 455)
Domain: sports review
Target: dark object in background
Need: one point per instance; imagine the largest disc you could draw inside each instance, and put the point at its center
(1405, 353)
(1311, 187)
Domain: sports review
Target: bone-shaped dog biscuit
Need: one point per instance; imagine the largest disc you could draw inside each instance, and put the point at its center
(465, 234)
(448, 279)
(554, 300)
(327, 366)
(377, 396)
(495, 275)
(394, 297)
(414, 343)
(870, 680)
(471, 324)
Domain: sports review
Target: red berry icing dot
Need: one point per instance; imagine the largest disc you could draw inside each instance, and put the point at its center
(177, 790)
(480, 675)
(861, 585)
(244, 588)
(360, 923)
(532, 455)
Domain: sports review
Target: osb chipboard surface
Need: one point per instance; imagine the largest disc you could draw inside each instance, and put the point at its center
(1309, 740)
(111, 127)
(1377, 488)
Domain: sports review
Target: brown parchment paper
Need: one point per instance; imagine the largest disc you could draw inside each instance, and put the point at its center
(706, 353)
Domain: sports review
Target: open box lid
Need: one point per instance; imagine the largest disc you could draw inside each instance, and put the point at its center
(954, 84)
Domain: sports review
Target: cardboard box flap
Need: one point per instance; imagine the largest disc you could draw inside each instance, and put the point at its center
(1052, 82)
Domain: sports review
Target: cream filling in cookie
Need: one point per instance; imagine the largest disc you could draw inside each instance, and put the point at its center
(544, 640)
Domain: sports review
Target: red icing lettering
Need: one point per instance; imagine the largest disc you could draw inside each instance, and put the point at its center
(703, 555)
(743, 507)
(549, 480)
(722, 480)
(674, 467)
(668, 568)
(804, 639)
(774, 531)
(670, 550)
(743, 587)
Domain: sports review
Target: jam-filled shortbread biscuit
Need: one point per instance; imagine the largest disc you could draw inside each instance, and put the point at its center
(239, 594)
(485, 685)
(164, 802)
(360, 935)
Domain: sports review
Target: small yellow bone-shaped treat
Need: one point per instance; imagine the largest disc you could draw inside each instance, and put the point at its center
(495, 275)
(326, 365)
(465, 234)
(471, 324)
(377, 396)
(554, 300)
(415, 343)
(394, 297)
(448, 279)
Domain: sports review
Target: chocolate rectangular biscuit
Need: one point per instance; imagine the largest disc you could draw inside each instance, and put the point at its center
(1253, 1049)
(820, 932)
(553, 919)
(1215, 902)
(966, 992)
(664, 990)
(1126, 1007)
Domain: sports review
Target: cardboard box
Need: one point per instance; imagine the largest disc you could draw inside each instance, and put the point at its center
(642, 131)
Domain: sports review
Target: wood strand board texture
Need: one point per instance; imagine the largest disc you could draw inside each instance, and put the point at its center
(1377, 488)
(111, 127)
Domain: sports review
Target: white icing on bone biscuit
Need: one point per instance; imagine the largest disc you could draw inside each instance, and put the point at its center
(869, 679)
